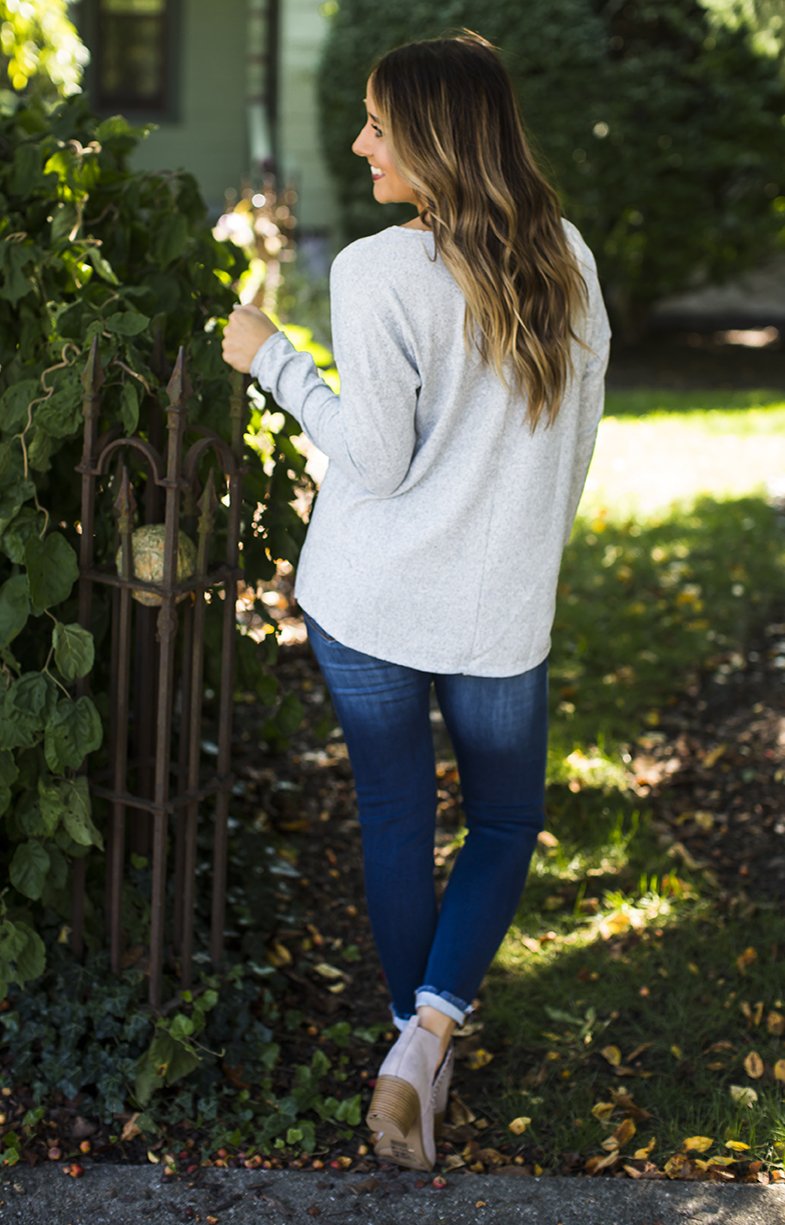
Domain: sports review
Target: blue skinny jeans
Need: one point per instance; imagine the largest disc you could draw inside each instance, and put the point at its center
(433, 954)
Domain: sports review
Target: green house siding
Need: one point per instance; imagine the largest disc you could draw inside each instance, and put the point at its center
(217, 120)
(303, 29)
(210, 135)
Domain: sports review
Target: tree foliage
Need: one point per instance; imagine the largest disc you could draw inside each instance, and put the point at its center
(660, 122)
(89, 249)
(40, 50)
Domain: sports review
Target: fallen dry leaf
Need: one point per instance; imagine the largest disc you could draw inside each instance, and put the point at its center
(624, 1132)
(603, 1110)
(711, 758)
(130, 1129)
(743, 1095)
(623, 1099)
(491, 1157)
(775, 1023)
(518, 1126)
(598, 1162)
(612, 1054)
(644, 1046)
(779, 1070)
(641, 1154)
(698, 1144)
(754, 1065)
(754, 1015)
(746, 959)
(278, 955)
(677, 1165)
(479, 1059)
(460, 1113)
(325, 970)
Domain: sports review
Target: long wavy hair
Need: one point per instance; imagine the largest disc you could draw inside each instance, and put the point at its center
(456, 135)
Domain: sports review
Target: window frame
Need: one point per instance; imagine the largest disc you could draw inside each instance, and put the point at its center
(165, 107)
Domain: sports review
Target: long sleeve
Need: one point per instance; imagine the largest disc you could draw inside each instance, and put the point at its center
(369, 431)
(592, 387)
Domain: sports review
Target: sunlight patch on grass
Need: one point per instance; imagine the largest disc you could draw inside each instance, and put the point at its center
(650, 461)
(618, 914)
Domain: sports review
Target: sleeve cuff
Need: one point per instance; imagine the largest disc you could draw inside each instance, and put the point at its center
(260, 358)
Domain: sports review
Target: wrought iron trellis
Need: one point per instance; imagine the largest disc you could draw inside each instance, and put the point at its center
(156, 690)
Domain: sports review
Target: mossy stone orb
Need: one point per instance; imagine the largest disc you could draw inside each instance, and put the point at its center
(147, 547)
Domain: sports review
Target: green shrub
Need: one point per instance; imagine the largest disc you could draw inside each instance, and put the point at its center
(89, 249)
(40, 50)
(661, 124)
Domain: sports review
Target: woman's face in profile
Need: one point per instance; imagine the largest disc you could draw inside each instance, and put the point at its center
(389, 187)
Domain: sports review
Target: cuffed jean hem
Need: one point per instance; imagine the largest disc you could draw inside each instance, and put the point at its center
(442, 1001)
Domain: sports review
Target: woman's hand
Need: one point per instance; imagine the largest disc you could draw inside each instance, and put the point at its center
(246, 329)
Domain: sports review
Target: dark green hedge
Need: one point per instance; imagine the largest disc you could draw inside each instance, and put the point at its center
(92, 249)
(661, 123)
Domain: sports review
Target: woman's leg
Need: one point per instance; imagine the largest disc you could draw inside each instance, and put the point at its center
(383, 709)
(498, 727)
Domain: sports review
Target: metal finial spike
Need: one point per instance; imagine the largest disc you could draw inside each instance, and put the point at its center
(209, 499)
(125, 502)
(178, 388)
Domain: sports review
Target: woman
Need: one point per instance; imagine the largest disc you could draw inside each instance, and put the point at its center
(472, 344)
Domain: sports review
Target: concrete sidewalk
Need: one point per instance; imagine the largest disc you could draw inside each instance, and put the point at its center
(141, 1195)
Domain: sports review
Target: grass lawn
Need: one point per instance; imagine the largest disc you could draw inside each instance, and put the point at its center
(625, 1006)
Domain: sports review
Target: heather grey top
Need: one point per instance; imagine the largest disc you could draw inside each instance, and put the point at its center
(438, 531)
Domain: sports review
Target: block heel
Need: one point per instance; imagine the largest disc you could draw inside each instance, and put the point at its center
(395, 1107)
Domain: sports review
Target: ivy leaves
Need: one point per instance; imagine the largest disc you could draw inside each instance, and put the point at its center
(52, 571)
(90, 250)
(30, 714)
(74, 650)
(73, 731)
(22, 954)
(51, 817)
(14, 607)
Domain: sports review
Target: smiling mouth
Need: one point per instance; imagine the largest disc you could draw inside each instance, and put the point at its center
(376, 174)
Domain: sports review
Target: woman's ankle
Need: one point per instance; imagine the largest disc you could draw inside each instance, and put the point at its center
(437, 1023)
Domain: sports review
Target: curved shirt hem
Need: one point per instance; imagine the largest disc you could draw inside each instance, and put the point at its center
(443, 667)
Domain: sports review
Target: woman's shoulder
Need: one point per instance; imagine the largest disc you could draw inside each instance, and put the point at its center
(578, 244)
(388, 250)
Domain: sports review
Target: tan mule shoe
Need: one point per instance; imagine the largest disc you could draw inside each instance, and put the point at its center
(402, 1106)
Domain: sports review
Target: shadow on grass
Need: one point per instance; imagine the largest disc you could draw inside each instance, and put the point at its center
(624, 973)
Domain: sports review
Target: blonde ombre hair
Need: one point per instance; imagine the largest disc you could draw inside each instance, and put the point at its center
(453, 125)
